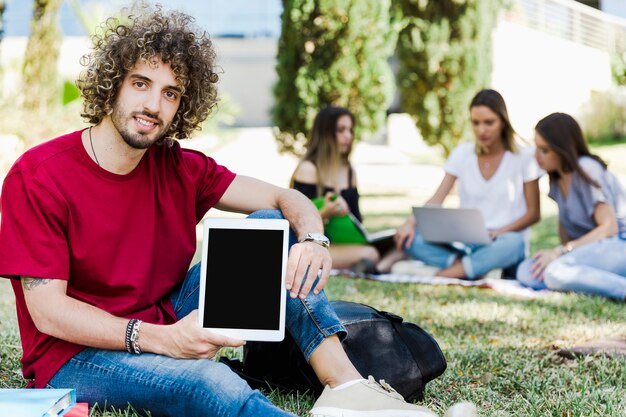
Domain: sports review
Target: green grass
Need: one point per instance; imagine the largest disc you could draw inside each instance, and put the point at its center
(501, 350)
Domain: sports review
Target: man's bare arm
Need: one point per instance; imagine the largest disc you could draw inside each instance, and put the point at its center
(246, 194)
(29, 283)
(58, 315)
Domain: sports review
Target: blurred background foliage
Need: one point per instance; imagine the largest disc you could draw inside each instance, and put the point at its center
(45, 104)
(444, 54)
(339, 52)
(332, 52)
(604, 117)
(433, 55)
(40, 86)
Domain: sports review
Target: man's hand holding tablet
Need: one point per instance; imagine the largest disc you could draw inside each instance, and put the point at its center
(188, 341)
(311, 254)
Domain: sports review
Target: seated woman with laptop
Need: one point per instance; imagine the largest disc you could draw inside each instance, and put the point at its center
(495, 177)
(592, 216)
(325, 171)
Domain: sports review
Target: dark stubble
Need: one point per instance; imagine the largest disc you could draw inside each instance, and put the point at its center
(136, 140)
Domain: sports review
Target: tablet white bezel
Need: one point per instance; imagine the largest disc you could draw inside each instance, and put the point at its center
(248, 224)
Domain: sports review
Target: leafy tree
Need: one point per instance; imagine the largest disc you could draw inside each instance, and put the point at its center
(618, 67)
(40, 60)
(332, 52)
(444, 53)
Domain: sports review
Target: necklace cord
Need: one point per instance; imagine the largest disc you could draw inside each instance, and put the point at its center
(92, 149)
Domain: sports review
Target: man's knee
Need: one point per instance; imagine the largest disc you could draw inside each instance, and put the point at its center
(266, 214)
(274, 214)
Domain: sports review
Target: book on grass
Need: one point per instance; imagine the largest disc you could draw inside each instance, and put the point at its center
(78, 410)
(31, 402)
(348, 229)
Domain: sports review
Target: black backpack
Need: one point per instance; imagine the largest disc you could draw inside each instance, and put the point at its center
(379, 343)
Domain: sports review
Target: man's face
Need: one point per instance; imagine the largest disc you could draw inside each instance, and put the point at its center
(146, 104)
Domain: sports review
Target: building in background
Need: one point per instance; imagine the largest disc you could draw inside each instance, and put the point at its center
(221, 18)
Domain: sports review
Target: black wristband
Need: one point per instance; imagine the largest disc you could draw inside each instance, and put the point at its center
(129, 333)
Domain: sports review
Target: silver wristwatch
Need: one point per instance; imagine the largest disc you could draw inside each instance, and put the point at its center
(318, 238)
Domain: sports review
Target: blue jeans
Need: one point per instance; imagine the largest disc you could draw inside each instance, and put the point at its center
(596, 268)
(190, 387)
(506, 250)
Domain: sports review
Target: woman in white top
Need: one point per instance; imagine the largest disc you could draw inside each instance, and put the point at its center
(494, 177)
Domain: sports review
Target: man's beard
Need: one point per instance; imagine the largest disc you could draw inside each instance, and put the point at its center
(136, 140)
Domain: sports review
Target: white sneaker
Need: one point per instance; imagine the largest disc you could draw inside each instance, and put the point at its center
(366, 399)
(494, 274)
(414, 268)
(463, 409)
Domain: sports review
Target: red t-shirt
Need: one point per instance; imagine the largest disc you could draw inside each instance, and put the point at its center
(123, 242)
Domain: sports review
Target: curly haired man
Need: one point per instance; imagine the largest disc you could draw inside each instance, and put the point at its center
(99, 228)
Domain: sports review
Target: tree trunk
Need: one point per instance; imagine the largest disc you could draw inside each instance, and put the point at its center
(40, 60)
(2, 7)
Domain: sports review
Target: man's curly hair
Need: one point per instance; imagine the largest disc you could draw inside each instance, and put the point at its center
(148, 34)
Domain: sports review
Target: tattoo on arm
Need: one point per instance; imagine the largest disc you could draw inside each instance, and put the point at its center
(29, 283)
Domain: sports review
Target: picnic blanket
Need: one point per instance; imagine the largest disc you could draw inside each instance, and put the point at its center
(505, 286)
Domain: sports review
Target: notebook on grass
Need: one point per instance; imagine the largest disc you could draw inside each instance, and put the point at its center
(348, 229)
(30, 402)
(447, 225)
(242, 280)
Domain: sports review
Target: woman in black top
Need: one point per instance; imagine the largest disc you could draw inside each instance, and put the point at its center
(325, 170)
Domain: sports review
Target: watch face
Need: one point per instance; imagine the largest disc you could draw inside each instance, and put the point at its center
(318, 237)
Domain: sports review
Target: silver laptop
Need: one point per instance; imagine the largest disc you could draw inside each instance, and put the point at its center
(447, 225)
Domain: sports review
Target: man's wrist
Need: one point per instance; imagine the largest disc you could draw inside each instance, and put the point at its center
(318, 238)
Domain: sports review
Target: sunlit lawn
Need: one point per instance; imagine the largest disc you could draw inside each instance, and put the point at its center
(501, 350)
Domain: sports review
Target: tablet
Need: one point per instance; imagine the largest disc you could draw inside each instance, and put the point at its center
(242, 280)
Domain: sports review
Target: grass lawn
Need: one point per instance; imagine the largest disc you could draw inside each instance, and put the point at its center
(500, 349)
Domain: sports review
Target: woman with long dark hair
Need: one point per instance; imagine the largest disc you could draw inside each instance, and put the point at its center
(325, 170)
(592, 216)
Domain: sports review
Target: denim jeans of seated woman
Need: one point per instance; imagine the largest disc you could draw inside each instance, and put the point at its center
(190, 387)
(506, 250)
(596, 268)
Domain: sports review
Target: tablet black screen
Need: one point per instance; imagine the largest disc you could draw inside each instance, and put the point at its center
(243, 279)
